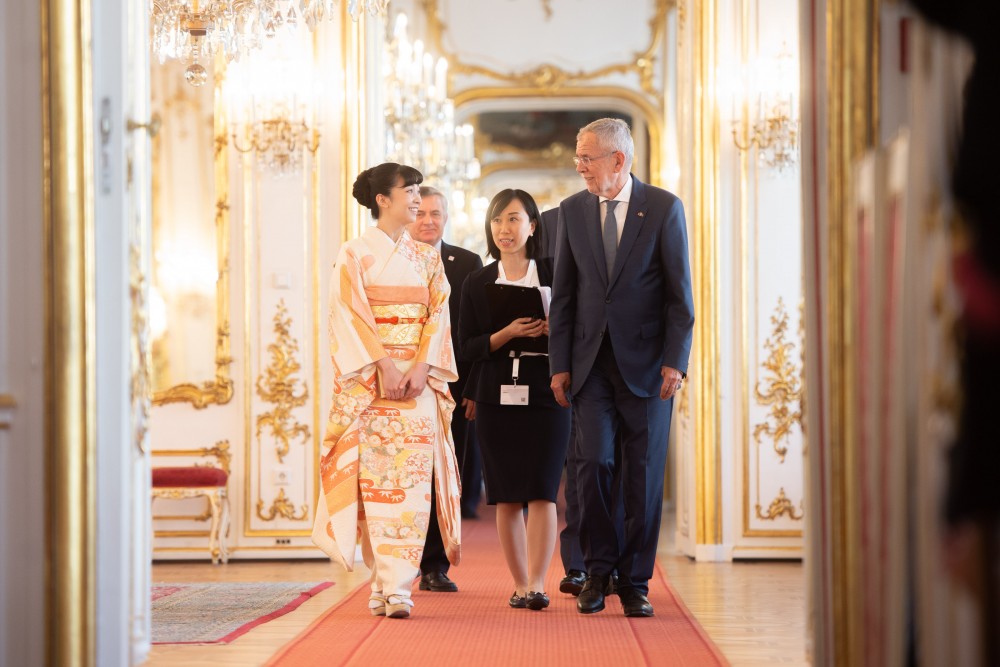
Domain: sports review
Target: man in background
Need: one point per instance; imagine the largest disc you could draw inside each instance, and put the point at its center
(432, 216)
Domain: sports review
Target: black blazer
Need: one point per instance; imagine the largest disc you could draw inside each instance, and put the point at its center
(492, 369)
(549, 225)
(458, 264)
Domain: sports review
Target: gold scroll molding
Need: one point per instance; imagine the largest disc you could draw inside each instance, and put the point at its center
(283, 507)
(549, 77)
(139, 342)
(783, 386)
(277, 385)
(780, 505)
(220, 390)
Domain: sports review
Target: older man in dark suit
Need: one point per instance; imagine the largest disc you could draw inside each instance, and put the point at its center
(432, 216)
(621, 325)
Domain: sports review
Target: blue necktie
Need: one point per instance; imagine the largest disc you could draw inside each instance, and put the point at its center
(610, 235)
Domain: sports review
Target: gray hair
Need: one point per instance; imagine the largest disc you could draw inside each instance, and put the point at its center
(428, 191)
(614, 134)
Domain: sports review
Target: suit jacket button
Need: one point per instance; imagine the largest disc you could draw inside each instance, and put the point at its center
(608, 300)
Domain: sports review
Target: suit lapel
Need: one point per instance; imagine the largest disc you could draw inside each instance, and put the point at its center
(592, 222)
(448, 259)
(633, 223)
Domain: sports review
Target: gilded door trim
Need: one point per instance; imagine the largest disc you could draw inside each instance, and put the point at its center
(70, 437)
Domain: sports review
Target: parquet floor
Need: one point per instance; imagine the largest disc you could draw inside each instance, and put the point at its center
(754, 611)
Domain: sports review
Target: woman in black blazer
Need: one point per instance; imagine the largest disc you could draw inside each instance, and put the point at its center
(523, 446)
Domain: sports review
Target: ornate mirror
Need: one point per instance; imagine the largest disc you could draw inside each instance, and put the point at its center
(528, 142)
(189, 305)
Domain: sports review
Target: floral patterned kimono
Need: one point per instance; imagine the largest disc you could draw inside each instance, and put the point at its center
(388, 299)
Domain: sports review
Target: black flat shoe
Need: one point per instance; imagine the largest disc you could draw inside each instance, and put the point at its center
(537, 601)
(517, 601)
(437, 582)
(573, 582)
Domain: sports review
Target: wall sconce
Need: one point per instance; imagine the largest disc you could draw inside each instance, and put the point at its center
(767, 113)
(273, 99)
(279, 140)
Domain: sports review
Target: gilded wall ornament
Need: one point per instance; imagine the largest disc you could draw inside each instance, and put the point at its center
(140, 351)
(783, 390)
(780, 505)
(278, 386)
(551, 77)
(221, 453)
(283, 507)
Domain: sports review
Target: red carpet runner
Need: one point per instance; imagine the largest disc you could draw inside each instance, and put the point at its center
(475, 627)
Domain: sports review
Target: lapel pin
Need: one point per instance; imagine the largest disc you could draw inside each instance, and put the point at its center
(451, 258)
(642, 214)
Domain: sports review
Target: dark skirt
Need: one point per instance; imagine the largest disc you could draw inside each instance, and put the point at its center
(524, 450)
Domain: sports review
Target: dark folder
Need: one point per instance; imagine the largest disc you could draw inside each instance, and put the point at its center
(509, 302)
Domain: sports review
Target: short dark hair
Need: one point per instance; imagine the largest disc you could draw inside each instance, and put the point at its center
(381, 180)
(501, 201)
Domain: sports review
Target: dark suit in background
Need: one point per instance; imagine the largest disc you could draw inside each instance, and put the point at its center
(613, 334)
(458, 264)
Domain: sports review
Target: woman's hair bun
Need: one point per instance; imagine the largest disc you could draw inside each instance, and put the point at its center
(362, 190)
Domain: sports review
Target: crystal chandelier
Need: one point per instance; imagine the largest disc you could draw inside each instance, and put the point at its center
(420, 118)
(193, 30)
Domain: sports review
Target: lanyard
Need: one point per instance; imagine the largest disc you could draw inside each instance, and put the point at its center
(516, 365)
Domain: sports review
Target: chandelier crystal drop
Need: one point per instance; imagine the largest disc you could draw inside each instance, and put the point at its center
(194, 31)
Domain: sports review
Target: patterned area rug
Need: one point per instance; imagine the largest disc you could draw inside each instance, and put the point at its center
(217, 613)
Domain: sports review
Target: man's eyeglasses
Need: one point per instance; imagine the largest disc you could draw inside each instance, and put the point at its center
(586, 160)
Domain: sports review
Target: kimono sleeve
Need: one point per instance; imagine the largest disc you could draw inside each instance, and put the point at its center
(436, 348)
(354, 341)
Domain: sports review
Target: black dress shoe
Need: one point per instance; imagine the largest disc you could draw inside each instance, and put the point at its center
(437, 582)
(537, 601)
(591, 598)
(573, 582)
(634, 603)
(517, 601)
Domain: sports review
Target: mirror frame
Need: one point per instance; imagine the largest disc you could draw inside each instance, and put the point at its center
(220, 390)
(466, 102)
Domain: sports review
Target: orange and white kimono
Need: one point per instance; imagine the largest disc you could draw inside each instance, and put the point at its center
(388, 299)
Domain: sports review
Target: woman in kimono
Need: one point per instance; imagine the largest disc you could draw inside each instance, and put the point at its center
(389, 426)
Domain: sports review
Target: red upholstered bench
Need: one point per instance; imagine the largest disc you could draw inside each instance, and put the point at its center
(182, 482)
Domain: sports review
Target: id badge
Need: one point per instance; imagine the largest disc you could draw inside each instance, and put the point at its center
(512, 394)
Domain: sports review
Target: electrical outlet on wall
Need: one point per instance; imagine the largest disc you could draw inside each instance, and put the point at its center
(282, 475)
